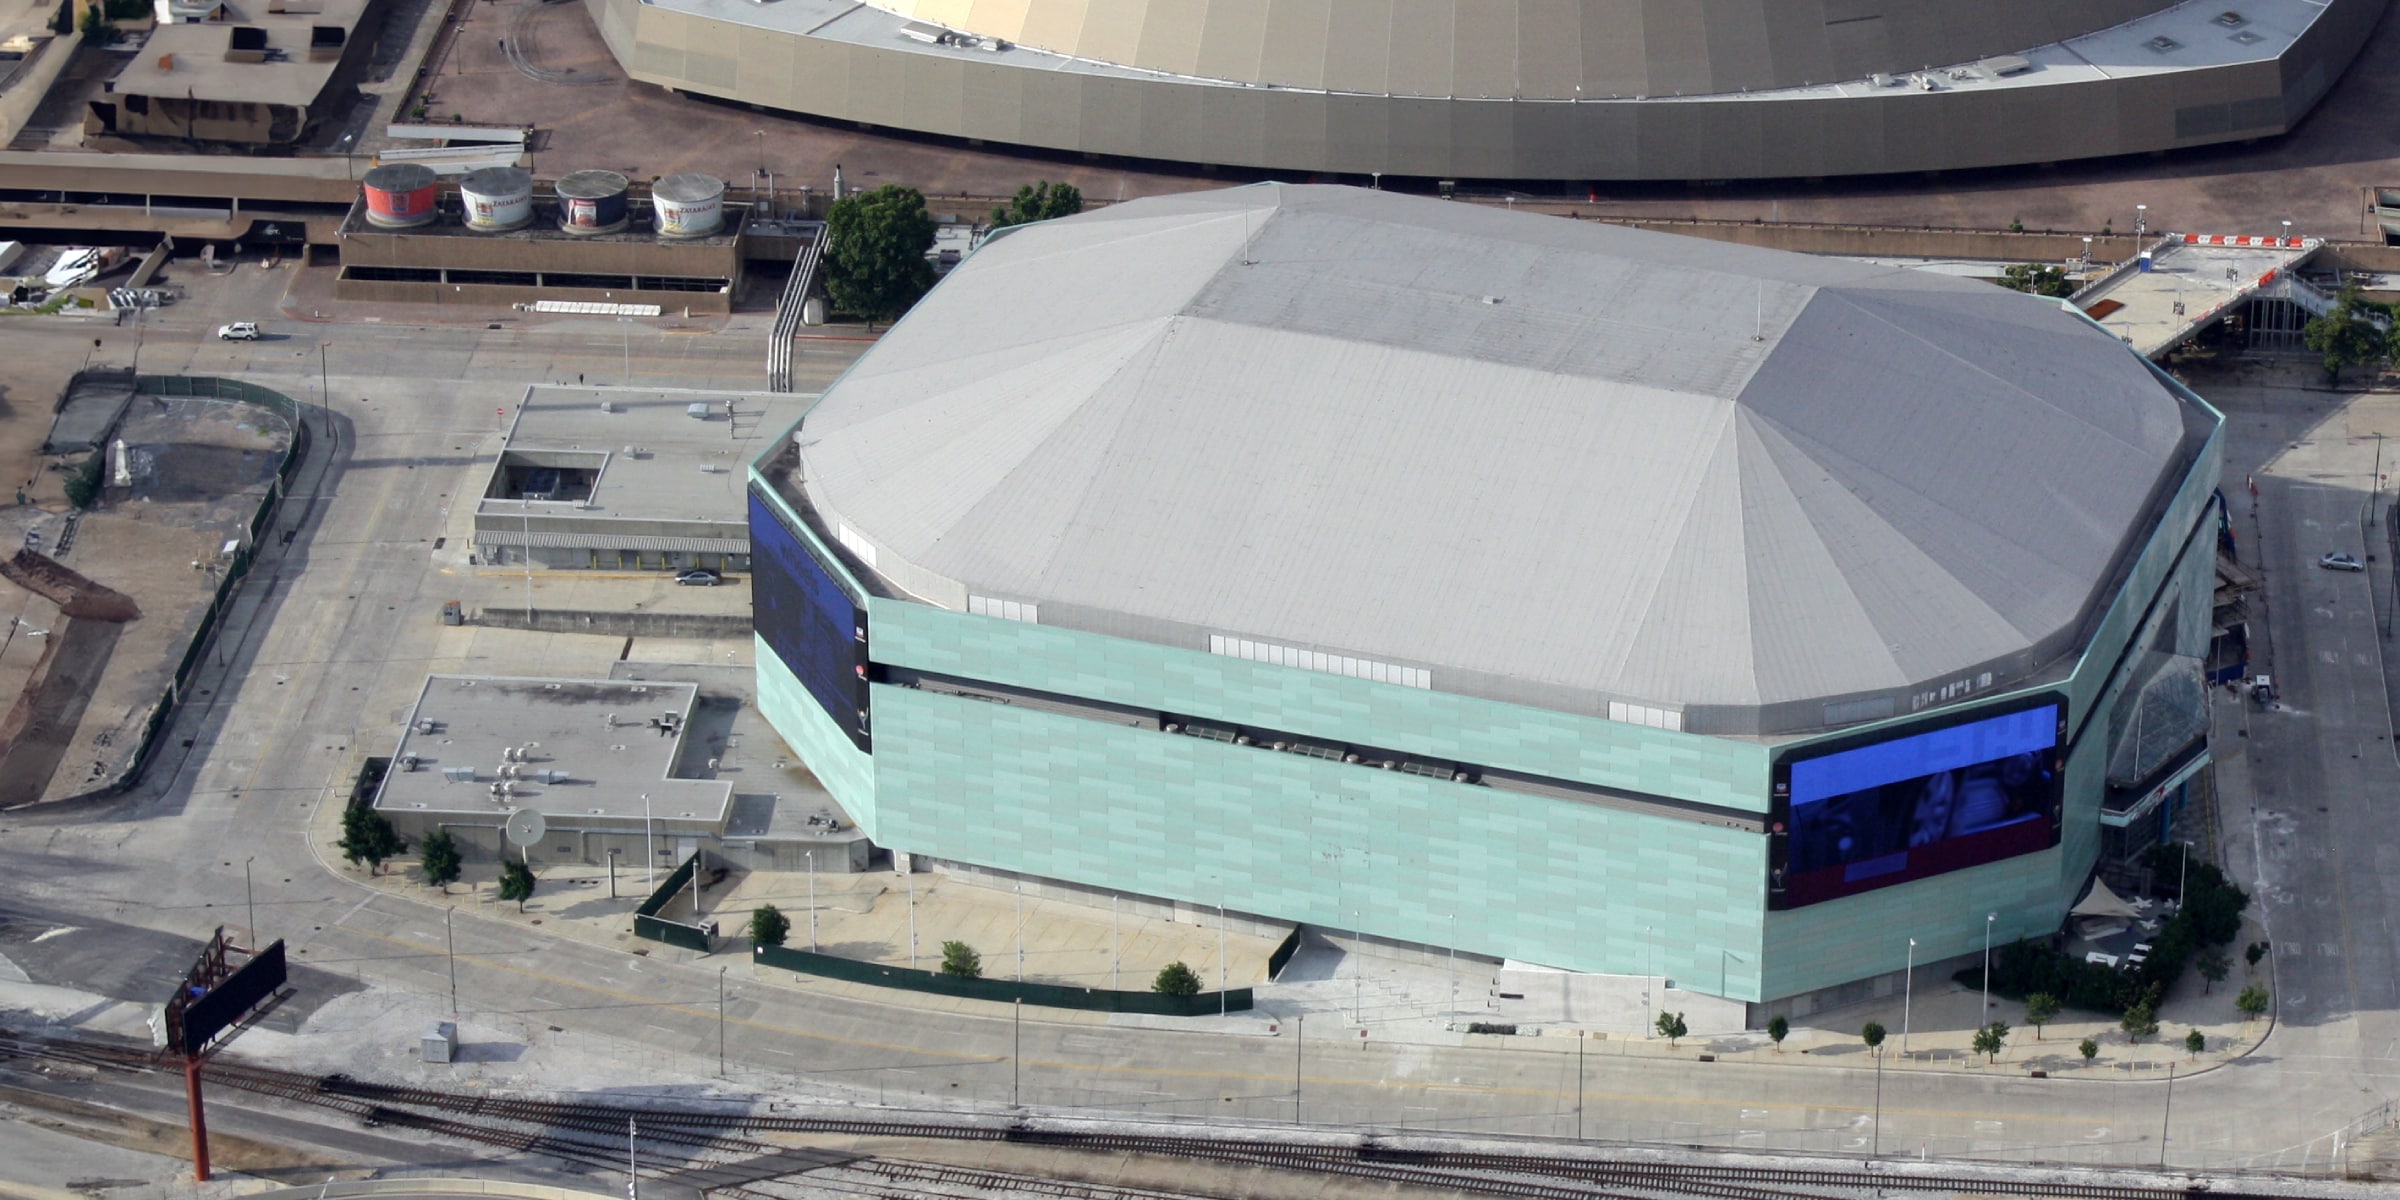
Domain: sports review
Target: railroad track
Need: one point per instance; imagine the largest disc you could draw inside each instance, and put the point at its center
(702, 1141)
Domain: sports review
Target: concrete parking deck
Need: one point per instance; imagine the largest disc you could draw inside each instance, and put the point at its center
(2192, 281)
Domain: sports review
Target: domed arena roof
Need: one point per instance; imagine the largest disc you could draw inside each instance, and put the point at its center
(1530, 49)
(1536, 460)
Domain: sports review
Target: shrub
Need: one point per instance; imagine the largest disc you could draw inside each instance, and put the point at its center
(1991, 1039)
(1872, 1034)
(961, 960)
(2041, 1008)
(1176, 979)
(2140, 1021)
(2252, 1002)
(83, 483)
(2195, 1041)
(1778, 1029)
(367, 837)
(517, 882)
(2088, 1048)
(768, 926)
(1671, 1026)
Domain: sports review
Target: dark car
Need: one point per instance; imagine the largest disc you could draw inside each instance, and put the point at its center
(698, 578)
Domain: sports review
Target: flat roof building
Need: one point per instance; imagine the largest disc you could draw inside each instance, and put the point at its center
(626, 478)
(271, 75)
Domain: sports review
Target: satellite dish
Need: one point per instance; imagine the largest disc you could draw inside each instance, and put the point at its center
(525, 827)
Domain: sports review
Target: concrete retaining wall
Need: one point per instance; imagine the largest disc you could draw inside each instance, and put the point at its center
(624, 624)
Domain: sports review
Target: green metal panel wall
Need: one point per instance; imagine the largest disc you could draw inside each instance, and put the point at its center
(846, 771)
(1560, 882)
(1357, 711)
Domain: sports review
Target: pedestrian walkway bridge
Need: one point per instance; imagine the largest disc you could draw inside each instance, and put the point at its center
(2185, 282)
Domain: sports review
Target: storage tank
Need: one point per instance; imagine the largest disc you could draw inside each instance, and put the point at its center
(497, 199)
(591, 202)
(400, 195)
(689, 205)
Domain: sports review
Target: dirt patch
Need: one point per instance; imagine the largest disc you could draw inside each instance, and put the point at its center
(74, 595)
(41, 725)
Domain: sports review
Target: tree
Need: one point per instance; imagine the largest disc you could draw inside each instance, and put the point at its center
(961, 960)
(768, 926)
(2088, 1048)
(2355, 333)
(1176, 979)
(2139, 1021)
(2041, 1008)
(367, 837)
(1872, 1034)
(2037, 278)
(439, 855)
(1778, 1029)
(2252, 1002)
(1671, 1026)
(2195, 1041)
(2257, 951)
(1990, 1039)
(2214, 966)
(96, 29)
(1041, 201)
(875, 244)
(516, 882)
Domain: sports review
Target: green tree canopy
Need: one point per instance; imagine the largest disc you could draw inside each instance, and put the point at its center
(768, 926)
(2356, 333)
(2140, 1021)
(367, 837)
(1176, 979)
(2214, 966)
(1042, 201)
(2252, 1002)
(875, 244)
(2088, 1048)
(2041, 1008)
(1991, 1039)
(960, 959)
(439, 855)
(2037, 278)
(516, 882)
(1671, 1026)
(1778, 1028)
(2195, 1041)
(1872, 1034)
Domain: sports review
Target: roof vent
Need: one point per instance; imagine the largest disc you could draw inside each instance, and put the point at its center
(2164, 44)
(2231, 19)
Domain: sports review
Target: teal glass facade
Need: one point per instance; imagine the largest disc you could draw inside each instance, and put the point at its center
(1548, 879)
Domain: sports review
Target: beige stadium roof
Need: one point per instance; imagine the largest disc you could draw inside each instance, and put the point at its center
(1529, 49)
(1535, 460)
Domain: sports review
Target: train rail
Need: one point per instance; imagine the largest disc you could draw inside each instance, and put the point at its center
(698, 1144)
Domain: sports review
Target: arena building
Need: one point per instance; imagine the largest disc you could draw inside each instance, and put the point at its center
(1521, 89)
(1559, 592)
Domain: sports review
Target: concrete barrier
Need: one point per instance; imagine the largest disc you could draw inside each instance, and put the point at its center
(617, 624)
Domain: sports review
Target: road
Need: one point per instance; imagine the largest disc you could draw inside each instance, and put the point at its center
(320, 659)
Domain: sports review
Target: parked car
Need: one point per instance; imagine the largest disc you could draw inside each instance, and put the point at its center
(697, 578)
(2338, 561)
(239, 331)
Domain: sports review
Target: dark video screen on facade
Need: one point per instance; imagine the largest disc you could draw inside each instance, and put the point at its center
(1921, 804)
(808, 621)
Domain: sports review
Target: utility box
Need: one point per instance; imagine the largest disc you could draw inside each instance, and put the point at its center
(441, 1043)
(453, 613)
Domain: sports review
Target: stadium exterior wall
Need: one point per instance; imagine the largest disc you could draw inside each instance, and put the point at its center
(1740, 136)
(1563, 882)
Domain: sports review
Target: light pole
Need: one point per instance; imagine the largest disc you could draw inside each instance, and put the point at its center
(1016, 1054)
(1116, 944)
(1020, 934)
(1358, 978)
(324, 393)
(912, 916)
(612, 871)
(2183, 870)
(1220, 954)
(1649, 969)
(450, 948)
(2141, 221)
(625, 326)
(1988, 919)
(2287, 233)
(1453, 966)
(2168, 1114)
(720, 1022)
(1875, 1149)
(811, 856)
(250, 902)
(1908, 991)
(2087, 255)
(649, 844)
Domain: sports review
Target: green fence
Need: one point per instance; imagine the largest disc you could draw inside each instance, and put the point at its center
(222, 602)
(1002, 991)
(649, 925)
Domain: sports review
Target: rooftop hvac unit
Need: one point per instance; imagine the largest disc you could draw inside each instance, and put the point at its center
(553, 776)
(426, 726)
(459, 774)
(608, 406)
(696, 410)
(408, 762)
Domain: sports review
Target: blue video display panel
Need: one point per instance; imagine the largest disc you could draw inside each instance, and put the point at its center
(1871, 815)
(809, 621)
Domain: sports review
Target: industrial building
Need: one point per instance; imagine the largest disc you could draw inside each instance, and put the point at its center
(642, 770)
(630, 479)
(1523, 89)
(271, 74)
(1561, 593)
(495, 236)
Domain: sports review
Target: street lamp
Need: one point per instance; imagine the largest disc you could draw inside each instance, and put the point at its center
(450, 947)
(811, 856)
(625, 326)
(2287, 232)
(250, 902)
(1988, 919)
(912, 915)
(2141, 220)
(1020, 930)
(721, 1021)
(1908, 986)
(2087, 252)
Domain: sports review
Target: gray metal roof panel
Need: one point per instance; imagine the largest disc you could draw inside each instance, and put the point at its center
(1659, 470)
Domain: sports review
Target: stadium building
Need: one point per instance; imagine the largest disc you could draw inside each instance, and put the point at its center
(1559, 592)
(1521, 89)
